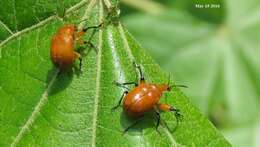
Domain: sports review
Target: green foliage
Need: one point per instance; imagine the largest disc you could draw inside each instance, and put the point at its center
(220, 62)
(39, 107)
(18, 15)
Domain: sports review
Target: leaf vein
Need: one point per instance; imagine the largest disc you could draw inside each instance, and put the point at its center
(15, 19)
(41, 23)
(6, 27)
(32, 117)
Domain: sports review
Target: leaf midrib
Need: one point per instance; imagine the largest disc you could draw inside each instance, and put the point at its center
(97, 89)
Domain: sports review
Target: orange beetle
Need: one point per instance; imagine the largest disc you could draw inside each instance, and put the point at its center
(145, 98)
(63, 43)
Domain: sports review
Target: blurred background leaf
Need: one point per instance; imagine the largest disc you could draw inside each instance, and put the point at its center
(214, 51)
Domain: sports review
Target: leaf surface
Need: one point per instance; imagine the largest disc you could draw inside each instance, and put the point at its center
(39, 107)
(219, 62)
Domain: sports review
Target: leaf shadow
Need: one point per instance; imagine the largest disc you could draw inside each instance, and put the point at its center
(65, 77)
(147, 121)
(61, 82)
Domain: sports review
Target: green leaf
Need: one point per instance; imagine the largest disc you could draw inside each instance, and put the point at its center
(219, 62)
(18, 15)
(39, 107)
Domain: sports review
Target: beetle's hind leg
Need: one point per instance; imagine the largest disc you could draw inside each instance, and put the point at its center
(133, 124)
(158, 116)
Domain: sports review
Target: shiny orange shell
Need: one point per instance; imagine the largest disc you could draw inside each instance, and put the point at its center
(62, 47)
(143, 98)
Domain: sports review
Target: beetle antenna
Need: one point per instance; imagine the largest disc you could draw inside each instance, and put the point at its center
(169, 83)
(184, 86)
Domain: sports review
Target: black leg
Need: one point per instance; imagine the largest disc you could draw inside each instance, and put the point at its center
(133, 124)
(92, 34)
(80, 63)
(91, 45)
(92, 27)
(95, 28)
(177, 114)
(119, 102)
(123, 85)
(140, 71)
(126, 83)
(158, 119)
